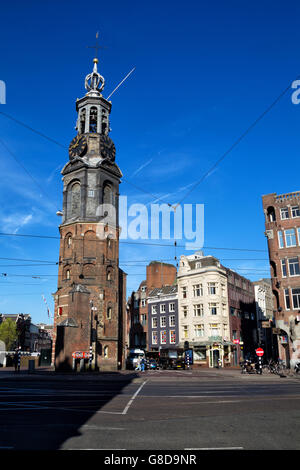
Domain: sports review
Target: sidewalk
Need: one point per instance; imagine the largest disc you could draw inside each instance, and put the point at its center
(49, 372)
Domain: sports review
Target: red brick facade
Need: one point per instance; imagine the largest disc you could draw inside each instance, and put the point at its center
(282, 222)
(88, 295)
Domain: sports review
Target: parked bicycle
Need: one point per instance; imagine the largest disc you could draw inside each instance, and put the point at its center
(248, 367)
(274, 367)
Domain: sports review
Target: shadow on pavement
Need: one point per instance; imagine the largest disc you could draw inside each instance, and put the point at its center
(44, 410)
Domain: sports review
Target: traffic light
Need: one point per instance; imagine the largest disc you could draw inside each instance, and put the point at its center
(261, 335)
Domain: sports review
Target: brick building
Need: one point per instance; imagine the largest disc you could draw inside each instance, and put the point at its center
(163, 330)
(90, 297)
(242, 316)
(282, 224)
(158, 274)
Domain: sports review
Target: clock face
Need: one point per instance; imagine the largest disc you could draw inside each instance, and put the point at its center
(107, 147)
(78, 146)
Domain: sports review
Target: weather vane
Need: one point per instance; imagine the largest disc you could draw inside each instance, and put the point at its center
(96, 46)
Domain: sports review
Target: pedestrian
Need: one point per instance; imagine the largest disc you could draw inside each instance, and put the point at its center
(16, 360)
(142, 365)
(138, 364)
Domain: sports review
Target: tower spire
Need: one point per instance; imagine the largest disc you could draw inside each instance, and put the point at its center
(94, 82)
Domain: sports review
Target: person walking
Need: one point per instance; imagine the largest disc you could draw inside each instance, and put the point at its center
(16, 360)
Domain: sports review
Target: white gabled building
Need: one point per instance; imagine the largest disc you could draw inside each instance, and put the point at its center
(203, 309)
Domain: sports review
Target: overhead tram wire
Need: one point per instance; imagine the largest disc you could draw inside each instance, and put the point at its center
(133, 242)
(12, 154)
(237, 141)
(41, 134)
(242, 136)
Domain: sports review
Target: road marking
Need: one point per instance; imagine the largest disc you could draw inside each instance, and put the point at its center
(124, 412)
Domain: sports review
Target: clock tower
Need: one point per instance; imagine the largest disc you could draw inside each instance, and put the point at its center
(90, 297)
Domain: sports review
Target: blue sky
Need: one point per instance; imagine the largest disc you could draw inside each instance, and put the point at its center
(204, 72)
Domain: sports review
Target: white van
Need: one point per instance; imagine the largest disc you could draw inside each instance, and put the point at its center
(134, 356)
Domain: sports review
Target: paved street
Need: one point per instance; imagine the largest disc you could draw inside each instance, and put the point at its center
(165, 410)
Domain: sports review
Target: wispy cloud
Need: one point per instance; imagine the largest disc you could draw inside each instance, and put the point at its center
(142, 166)
(12, 223)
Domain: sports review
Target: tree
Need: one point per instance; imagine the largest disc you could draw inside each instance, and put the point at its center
(8, 333)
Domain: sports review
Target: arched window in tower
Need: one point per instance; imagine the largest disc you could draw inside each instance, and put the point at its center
(82, 120)
(68, 245)
(109, 312)
(106, 352)
(67, 273)
(271, 214)
(107, 194)
(104, 123)
(93, 119)
(109, 273)
(75, 200)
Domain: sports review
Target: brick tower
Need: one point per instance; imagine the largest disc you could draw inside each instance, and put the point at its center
(89, 301)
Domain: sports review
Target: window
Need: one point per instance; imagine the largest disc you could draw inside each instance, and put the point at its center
(223, 289)
(69, 241)
(185, 311)
(185, 332)
(162, 308)
(283, 267)
(67, 274)
(198, 310)
(214, 330)
(143, 302)
(163, 321)
(199, 331)
(154, 309)
(224, 310)
(143, 319)
(91, 193)
(284, 213)
(172, 320)
(198, 290)
(213, 309)
(143, 289)
(154, 337)
(295, 211)
(198, 265)
(298, 232)
(109, 311)
(154, 322)
(106, 352)
(296, 298)
(184, 292)
(294, 267)
(280, 239)
(212, 289)
(287, 299)
(75, 200)
(290, 237)
(93, 119)
(163, 337)
(172, 307)
(232, 311)
(172, 337)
